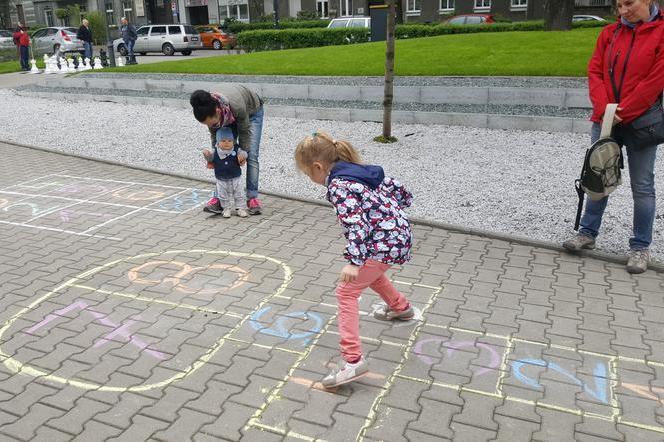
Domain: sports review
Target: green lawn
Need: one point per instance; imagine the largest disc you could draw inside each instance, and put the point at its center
(14, 66)
(482, 54)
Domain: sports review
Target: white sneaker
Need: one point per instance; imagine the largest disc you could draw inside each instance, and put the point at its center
(242, 213)
(638, 261)
(226, 213)
(345, 373)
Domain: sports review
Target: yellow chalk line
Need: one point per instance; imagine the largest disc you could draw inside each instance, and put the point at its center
(274, 393)
(18, 367)
(282, 432)
(544, 344)
(159, 301)
(576, 412)
(373, 411)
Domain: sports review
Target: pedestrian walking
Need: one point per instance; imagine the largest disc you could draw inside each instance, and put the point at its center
(129, 36)
(22, 42)
(85, 36)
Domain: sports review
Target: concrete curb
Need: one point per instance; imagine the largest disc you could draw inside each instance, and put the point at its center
(604, 256)
(486, 121)
(479, 95)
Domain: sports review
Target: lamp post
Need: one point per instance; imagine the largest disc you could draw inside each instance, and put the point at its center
(109, 43)
(275, 4)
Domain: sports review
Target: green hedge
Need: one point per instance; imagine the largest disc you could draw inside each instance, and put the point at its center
(8, 54)
(266, 40)
(300, 38)
(238, 27)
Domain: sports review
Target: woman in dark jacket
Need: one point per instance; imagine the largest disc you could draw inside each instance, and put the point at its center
(627, 68)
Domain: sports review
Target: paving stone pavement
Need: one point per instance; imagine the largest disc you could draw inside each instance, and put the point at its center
(128, 314)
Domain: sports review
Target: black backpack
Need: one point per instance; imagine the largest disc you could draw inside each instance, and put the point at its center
(601, 172)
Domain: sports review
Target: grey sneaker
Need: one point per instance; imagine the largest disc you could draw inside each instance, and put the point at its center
(384, 313)
(242, 213)
(345, 373)
(638, 261)
(226, 213)
(579, 242)
(213, 206)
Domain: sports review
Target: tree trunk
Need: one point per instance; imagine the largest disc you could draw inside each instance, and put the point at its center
(389, 71)
(558, 15)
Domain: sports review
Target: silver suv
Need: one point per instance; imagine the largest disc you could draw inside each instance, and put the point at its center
(168, 39)
(49, 40)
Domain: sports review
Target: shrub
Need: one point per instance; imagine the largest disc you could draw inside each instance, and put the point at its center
(97, 26)
(307, 15)
(238, 27)
(266, 40)
(8, 54)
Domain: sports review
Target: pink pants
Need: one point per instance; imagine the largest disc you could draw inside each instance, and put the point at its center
(372, 274)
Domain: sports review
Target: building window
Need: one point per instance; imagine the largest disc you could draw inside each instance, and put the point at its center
(446, 6)
(482, 5)
(128, 10)
(110, 15)
(322, 7)
(519, 4)
(414, 7)
(239, 12)
(48, 17)
(346, 8)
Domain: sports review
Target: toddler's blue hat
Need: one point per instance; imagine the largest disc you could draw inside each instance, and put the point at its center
(225, 133)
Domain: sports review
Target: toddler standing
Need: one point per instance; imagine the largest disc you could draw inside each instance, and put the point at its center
(369, 207)
(227, 159)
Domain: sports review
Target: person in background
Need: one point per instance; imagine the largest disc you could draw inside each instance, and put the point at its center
(22, 42)
(129, 36)
(85, 36)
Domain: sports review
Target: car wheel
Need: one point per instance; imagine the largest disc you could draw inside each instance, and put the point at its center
(168, 49)
(216, 44)
(122, 50)
(187, 52)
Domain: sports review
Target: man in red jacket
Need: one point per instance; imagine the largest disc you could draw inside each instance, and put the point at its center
(627, 68)
(22, 40)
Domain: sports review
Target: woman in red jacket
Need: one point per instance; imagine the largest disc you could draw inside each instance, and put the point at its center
(22, 40)
(627, 68)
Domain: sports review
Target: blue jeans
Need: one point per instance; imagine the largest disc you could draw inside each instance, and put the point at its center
(129, 44)
(256, 129)
(25, 54)
(88, 49)
(641, 164)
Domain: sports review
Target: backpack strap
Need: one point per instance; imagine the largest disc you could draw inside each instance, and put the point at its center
(607, 120)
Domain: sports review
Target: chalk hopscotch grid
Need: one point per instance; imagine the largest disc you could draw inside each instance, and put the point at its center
(497, 393)
(93, 201)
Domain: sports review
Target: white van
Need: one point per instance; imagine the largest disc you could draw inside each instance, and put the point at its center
(350, 22)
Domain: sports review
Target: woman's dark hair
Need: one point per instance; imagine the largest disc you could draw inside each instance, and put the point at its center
(204, 105)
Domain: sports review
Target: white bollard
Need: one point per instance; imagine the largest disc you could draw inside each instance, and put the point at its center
(70, 65)
(86, 65)
(98, 63)
(119, 61)
(80, 66)
(63, 66)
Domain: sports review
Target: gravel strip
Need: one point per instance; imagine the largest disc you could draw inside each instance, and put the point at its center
(507, 181)
(528, 82)
(550, 111)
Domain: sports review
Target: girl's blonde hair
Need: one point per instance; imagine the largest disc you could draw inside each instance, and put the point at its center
(322, 147)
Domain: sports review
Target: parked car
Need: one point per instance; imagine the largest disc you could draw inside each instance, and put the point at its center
(167, 39)
(350, 22)
(49, 40)
(470, 19)
(213, 36)
(587, 18)
(6, 39)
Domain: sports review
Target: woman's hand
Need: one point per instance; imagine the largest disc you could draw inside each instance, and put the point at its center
(242, 157)
(207, 154)
(616, 118)
(349, 273)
